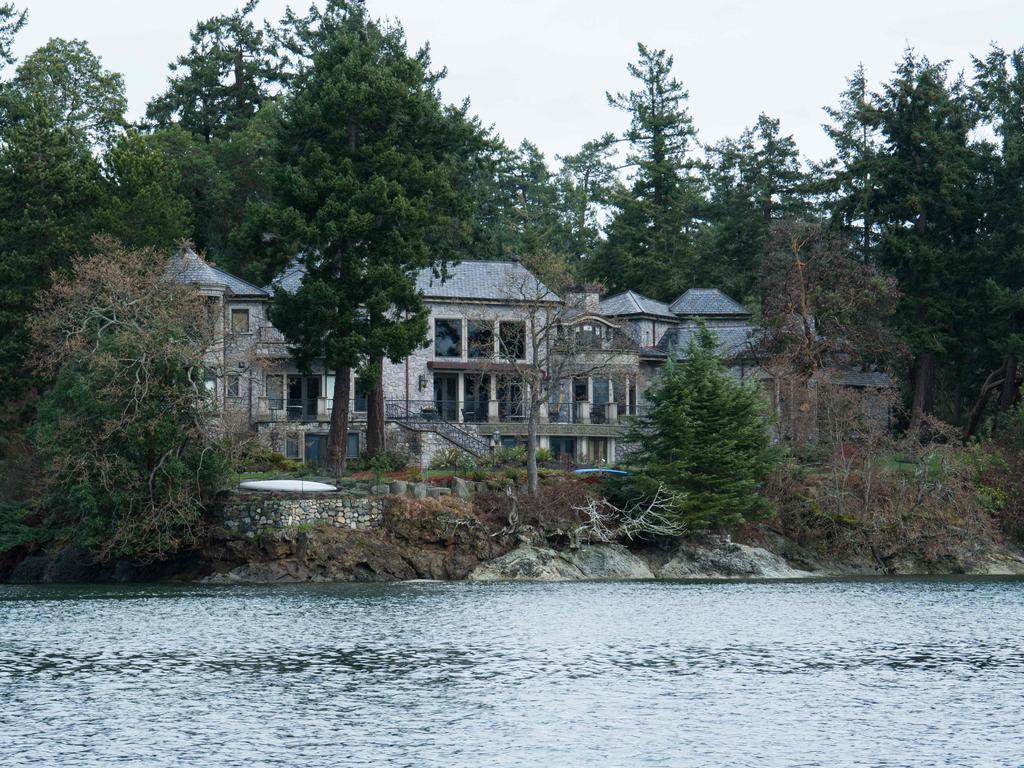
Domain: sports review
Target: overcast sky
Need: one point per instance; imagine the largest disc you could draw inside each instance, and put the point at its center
(539, 69)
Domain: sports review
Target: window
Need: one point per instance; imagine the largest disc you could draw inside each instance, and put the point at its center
(598, 450)
(448, 338)
(210, 382)
(234, 385)
(481, 338)
(275, 391)
(291, 446)
(239, 320)
(362, 396)
(563, 448)
(512, 335)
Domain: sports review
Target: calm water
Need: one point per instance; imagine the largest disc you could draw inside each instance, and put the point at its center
(854, 673)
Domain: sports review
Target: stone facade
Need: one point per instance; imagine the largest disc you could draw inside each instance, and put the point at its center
(251, 513)
(461, 377)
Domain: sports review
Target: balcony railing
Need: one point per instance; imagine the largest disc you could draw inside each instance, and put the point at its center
(583, 412)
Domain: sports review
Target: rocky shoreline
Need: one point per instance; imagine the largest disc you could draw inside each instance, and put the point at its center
(450, 539)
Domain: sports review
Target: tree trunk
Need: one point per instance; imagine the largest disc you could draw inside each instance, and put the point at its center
(1011, 384)
(532, 477)
(923, 376)
(991, 384)
(375, 438)
(337, 437)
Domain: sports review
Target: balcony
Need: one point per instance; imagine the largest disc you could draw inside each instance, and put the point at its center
(583, 413)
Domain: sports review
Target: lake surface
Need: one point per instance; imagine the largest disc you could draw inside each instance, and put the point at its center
(819, 673)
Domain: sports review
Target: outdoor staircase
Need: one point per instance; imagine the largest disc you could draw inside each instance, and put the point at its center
(397, 411)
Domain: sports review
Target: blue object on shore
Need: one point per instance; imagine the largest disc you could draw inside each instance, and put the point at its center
(601, 471)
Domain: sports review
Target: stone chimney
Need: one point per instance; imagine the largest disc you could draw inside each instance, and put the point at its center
(585, 297)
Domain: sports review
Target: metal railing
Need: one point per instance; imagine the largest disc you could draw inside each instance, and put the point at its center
(564, 413)
(430, 419)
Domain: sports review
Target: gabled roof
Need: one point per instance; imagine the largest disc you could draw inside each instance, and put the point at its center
(474, 280)
(633, 303)
(705, 302)
(186, 266)
(732, 340)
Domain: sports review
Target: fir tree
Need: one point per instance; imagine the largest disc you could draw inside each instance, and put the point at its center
(225, 78)
(141, 205)
(369, 195)
(753, 181)
(650, 239)
(706, 438)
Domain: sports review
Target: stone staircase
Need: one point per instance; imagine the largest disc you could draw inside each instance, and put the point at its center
(399, 412)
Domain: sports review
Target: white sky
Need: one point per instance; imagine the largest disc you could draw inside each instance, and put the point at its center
(539, 69)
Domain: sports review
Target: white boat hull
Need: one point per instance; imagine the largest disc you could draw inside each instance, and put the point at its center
(301, 486)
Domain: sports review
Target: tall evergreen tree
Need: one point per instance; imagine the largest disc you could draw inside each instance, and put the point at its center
(926, 209)
(60, 106)
(225, 78)
(141, 204)
(368, 195)
(650, 239)
(999, 89)
(753, 181)
(586, 182)
(11, 22)
(848, 180)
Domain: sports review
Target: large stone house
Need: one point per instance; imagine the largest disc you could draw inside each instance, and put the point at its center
(465, 388)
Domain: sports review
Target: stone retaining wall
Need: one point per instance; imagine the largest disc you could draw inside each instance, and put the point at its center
(248, 514)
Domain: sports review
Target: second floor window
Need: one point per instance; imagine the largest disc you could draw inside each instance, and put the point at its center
(239, 320)
(512, 335)
(481, 338)
(447, 338)
(234, 385)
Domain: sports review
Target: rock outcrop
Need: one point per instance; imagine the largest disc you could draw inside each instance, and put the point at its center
(709, 560)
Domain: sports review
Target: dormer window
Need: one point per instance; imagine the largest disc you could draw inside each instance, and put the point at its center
(239, 320)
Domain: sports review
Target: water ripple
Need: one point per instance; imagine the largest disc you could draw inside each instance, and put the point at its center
(844, 673)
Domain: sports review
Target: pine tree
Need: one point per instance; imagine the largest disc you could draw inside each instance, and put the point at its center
(650, 239)
(706, 438)
(369, 194)
(11, 22)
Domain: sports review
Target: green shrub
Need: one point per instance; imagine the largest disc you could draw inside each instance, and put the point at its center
(385, 461)
(511, 456)
(446, 458)
(479, 474)
(544, 455)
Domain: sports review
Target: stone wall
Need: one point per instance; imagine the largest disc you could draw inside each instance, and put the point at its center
(251, 513)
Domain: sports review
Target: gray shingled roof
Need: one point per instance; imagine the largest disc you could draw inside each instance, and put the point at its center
(290, 279)
(497, 280)
(479, 280)
(733, 340)
(187, 266)
(706, 302)
(633, 303)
